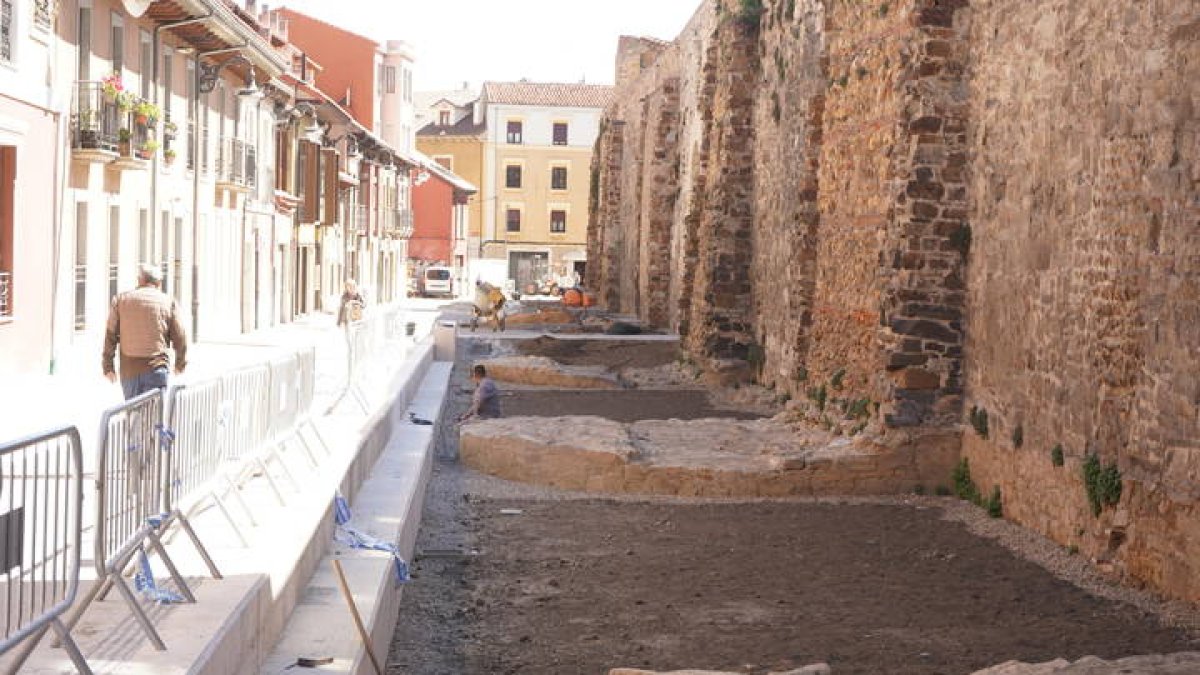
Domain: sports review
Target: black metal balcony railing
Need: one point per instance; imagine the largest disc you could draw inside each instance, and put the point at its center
(5, 294)
(95, 120)
(404, 223)
(80, 297)
(43, 15)
(237, 163)
(362, 219)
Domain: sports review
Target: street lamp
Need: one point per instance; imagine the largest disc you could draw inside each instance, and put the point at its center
(206, 80)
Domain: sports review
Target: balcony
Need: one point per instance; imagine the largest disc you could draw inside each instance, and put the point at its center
(237, 165)
(5, 295)
(43, 14)
(401, 223)
(362, 220)
(95, 124)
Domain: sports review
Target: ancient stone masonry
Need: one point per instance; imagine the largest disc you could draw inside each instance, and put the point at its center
(937, 216)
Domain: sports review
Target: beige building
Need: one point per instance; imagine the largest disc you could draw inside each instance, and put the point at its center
(537, 155)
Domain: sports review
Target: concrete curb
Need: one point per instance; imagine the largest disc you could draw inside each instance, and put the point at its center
(388, 507)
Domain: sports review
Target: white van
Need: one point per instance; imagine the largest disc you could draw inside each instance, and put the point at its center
(437, 281)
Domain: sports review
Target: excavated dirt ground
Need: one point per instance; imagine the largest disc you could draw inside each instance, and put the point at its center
(621, 406)
(613, 355)
(519, 579)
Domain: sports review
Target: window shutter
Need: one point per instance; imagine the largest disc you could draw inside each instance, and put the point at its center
(312, 182)
(330, 188)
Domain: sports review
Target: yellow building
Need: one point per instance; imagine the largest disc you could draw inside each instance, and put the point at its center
(448, 134)
(537, 154)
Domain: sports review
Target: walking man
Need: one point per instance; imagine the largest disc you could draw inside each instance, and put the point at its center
(145, 323)
(485, 403)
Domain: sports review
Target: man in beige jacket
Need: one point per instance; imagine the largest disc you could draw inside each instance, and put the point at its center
(145, 323)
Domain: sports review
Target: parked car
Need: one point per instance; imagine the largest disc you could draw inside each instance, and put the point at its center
(437, 281)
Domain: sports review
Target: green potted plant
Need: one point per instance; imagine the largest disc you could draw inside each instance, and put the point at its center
(147, 149)
(169, 156)
(123, 141)
(170, 129)
(145, 113)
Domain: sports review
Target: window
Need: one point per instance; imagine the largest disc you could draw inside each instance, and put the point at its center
(389, 79)
(558, 222)
(445, 161)
(178, 281)
(560, 133)
(8, 30)
(164, 247)
(168, 80)
(514, 132)
(189, 84)
(85, 41)
(443, 118)
(81, 232)
(8, 164)
(118, 43)
(114, 249)
(512, 220)
(379, 78)
(512, 176)
(558, 178)
(145, 237)
(146, 62)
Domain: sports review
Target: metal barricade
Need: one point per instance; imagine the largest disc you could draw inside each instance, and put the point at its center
(130, 481)
(41, 500)
(194, 457)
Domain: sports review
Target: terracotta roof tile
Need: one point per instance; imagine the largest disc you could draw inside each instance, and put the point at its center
(549, 94)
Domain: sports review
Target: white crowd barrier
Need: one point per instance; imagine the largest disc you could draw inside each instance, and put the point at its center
(160, 457)
(41, 525)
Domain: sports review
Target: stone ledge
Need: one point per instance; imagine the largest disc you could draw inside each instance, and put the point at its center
(701, 458)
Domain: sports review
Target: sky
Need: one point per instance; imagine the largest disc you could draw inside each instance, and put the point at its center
(471, 41)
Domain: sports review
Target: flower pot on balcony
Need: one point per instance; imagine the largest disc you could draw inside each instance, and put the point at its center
(142, 120)
(125, 148)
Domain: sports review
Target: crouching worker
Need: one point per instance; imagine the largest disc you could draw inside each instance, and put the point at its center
(485, 403)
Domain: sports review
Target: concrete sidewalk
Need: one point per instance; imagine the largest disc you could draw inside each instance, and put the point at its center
(237, 620)
(34, 403)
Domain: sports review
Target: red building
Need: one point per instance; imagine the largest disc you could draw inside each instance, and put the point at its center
(440, 219)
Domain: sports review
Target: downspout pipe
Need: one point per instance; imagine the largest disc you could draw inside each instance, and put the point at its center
(156, 78)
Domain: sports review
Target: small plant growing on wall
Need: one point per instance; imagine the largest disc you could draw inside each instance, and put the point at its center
(858, 409)
(750, 13)
(1056, 455)
(994, 507)
(836, 380)
(883, 9)
(978, 417)
(964, 486)
(1102, 482)
(819, 395)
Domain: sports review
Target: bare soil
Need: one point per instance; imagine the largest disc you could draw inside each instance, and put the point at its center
(621, 406)
(520, 579)
(615, 355)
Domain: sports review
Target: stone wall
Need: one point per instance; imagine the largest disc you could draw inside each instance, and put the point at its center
(1084, 280)
(896, 212)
